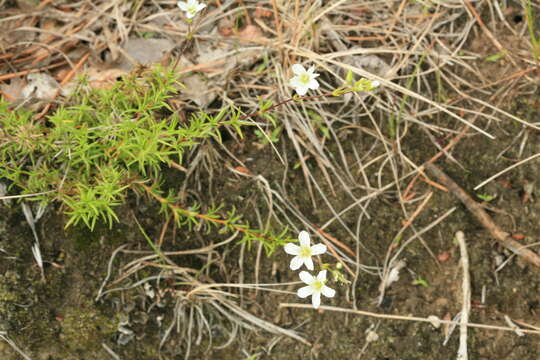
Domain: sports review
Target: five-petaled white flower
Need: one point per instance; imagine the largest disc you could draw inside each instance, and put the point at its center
(316, 287)
(304, 79)
(304, 252)
(191, 7)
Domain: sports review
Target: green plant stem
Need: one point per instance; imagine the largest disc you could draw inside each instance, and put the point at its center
(189, 213)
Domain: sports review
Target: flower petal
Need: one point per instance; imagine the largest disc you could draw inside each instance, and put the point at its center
(322, 275)
(295, 82)
(304, 292)
(328, 292)
(200, 7)
(182, 5)
(304, 238)
(316, 299)
(291, 249)
(298, 69)
(309, 263)
(318, 249)
(313, 84)
(301, 90)
(375, 83)
(296, 262)
(306, 277)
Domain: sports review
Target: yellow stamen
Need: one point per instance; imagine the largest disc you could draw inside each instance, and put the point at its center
(304, 78)
(305, 251)
(317, 285)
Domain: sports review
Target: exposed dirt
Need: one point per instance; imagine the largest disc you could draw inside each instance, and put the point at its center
(514, 294)
(59, 319)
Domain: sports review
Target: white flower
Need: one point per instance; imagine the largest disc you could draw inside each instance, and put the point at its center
(304, 79)
(375, 83)
(191, 7)
(304, 252)
(316, 287)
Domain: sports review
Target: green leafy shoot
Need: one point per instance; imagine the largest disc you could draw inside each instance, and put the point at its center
(420, 282)
(102, 142)
(495, 57)
(485, 197)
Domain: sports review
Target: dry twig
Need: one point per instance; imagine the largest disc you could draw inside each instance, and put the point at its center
(483, 217)
(407, 318)
(466, 305)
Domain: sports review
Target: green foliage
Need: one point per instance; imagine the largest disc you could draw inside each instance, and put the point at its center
(268, 136)
(535, 37)
(229, 222)
(317, 122)
(394, 121)
(265, 138)
(337, 272)
(264, 106)
(420, 282)
(103, 142)
(495, 57)
(362, 85)
(485, 197)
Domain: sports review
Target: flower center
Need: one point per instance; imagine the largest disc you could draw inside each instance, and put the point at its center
(317, 285)
(192, 9)
(305, 251)
(304, 78)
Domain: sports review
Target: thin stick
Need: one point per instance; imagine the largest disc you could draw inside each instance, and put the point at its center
(26, 72)
(405, 318)
(7, 197)
(277, 23)
(68, 78)
(487, 32)
(466, 306)
(483, 217)
(506, 170)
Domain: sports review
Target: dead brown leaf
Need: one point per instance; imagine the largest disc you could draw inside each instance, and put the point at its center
(13, 90)
(144, 51)
(41, 86)
(250, 33)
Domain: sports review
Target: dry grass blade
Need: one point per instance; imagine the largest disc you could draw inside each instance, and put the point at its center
(4, 337)
(407, 318)
(396, 87)
(390, 261)
(519, 163)
(199, 305)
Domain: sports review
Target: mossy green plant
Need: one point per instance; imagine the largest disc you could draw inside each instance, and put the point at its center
(84, 328)
(9, 297)
(86, 155)
(102, 143)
